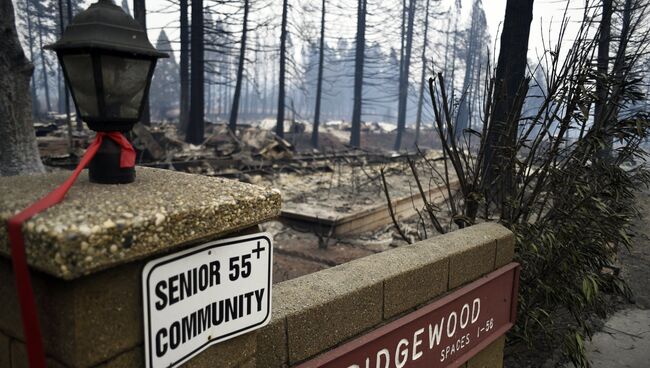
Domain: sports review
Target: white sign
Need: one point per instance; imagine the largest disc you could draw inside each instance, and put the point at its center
(205, 295)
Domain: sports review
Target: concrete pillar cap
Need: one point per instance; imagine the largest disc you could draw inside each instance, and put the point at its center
(101, 226)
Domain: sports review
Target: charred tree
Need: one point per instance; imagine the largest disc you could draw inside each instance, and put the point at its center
(611, 103)
(195, 130)
(80, 124)
(510, 83)
(355, 133)
(30, 44)
(265, 92)
(184, 68)
(65, 84)
(620, 63)
(454, 49)
(604, 39)
(66, 108)
(472, 66)
(402, 38)
(46, 86)
(240, 71)
(404, 78)
(279, 126)
(140, 14)
(418, 117)
(18, 151)
(257, 78)
(620, 68)
(319, 83)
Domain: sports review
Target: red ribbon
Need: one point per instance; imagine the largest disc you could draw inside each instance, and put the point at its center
(31, 327)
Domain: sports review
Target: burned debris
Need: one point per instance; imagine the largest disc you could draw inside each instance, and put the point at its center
(334, 208)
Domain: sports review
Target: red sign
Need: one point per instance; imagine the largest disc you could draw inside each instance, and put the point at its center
(445, 333)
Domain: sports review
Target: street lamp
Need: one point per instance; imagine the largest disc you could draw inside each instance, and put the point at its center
(108, 63)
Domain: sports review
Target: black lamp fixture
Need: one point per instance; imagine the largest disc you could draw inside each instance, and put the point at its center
(108, 62)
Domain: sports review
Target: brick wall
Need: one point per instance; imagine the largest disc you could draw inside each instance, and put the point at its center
(311, 314)
(317, 312)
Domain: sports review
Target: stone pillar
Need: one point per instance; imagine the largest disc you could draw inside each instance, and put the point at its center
(87, 253)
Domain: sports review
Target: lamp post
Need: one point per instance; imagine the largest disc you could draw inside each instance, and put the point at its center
(108, 63)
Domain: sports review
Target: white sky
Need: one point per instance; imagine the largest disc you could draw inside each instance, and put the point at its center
(546, 13)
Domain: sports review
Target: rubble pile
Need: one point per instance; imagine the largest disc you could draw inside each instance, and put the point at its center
(334, 180)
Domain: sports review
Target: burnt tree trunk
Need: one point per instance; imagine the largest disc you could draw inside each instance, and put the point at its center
(402, 43)
(355, 133)
(240, 72)
(60, 91)
(18, 151)
(510, 82)
(418, 117)
(273, 100)
(195, 129)
(208, 98)
(603, 60)
(46, 85)
(463, 116)
(265, 91)
(404, 78)
(80, 124)
(184, 68)
(247, 97)
(140, 14)
(30, 42)
(447, 31)
(279, 125)
(454, 49)
(65, 85)
(620, 69)
(319, 83)
(257, 95)
(63, 102)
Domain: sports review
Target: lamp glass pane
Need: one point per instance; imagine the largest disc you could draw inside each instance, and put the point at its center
(79, 69)
(124, 84)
